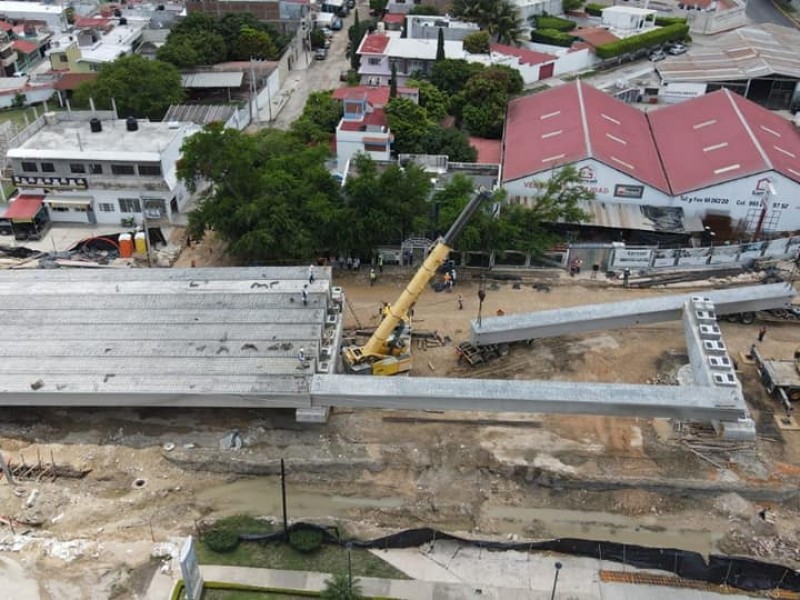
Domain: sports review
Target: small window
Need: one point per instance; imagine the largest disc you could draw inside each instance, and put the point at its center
(77, 168)
(122, 170)
(30, 167)
(48, 168)
(149, 169)
(374, 147)
(63, 58)
(130, 205)
(374, 61)
(96, 169)
(59, 208)
(106, 207)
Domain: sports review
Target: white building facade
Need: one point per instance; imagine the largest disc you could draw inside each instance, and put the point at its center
(110, 171)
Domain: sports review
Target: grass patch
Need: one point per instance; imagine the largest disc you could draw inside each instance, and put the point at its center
(248, 595)
(328, 559)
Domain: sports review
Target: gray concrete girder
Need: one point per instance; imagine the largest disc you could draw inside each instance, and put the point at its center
(611, 315)
(560, 397)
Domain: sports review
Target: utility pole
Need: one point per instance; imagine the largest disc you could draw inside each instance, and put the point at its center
(283, 499)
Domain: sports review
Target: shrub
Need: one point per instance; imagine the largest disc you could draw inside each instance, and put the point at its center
(305, 540)
(557, 23)
(645, 40)
(594, 9)
(552, 37)
(665, 21)
(477, 43)
(568, 5)
(221, 540)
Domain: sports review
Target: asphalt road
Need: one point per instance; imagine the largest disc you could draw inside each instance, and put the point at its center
(764, 11)
(320, 74)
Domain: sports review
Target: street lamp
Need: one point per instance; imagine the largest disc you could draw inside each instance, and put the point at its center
(558, 566)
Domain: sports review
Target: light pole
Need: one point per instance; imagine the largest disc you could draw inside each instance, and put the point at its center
(349, 547)
(558, 566)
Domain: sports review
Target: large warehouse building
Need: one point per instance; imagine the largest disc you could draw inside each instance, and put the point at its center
(717, 155)
(759, 62)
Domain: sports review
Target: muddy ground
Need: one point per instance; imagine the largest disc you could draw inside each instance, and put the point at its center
(488, 474)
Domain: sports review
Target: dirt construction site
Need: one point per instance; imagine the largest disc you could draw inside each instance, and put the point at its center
(152, 474)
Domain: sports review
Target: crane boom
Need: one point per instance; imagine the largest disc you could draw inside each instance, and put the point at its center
(387, 340)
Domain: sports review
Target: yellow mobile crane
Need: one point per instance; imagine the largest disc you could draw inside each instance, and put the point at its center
(388, 351)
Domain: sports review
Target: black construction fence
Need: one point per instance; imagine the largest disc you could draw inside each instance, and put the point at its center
(742, 573)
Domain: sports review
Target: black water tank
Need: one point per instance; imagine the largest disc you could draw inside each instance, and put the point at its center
(131, 124)
(123, 21)
(95, 125)
(117, 12)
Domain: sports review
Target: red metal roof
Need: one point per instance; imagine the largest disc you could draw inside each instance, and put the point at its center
(23, 208)
(96, 21)
(706, 140)
(377, 97)
(573, 122)
(376, 118)
(71, 81)
(397, 18)
(525, 56)
(488, 150)
(25, 47)
(595, 36)
(375, 43)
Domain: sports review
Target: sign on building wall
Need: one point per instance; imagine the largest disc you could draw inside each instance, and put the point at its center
(664, 258)
(627, 257)
(725, 254)
(694, 257)
(628, 191)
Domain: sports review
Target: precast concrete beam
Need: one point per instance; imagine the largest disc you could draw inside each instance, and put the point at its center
(556, 397)
(612, 315)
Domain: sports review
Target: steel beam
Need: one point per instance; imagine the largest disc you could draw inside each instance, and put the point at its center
(559, 397)
(612, 315)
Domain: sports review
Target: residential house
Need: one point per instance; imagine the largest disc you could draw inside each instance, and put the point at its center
(405, 6)
(363, 129)
(52, 15)
(379, 52)
(85, 50)
(427, 27)
(531, 8)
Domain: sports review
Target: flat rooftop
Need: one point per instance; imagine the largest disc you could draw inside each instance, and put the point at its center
(30, 7)
(75, 140)
(161, 337)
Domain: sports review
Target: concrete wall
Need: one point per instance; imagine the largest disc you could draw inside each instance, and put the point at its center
(674, 92)
(32, 96)
(710, 22)
(349, 143)
(424, 27)
(568, 61)
(530, 8)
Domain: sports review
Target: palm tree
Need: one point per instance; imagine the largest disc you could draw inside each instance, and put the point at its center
(504, 23)
(499, 17)
(339, 587)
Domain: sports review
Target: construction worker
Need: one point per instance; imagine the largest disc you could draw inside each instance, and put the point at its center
(762, 331)
(372, 277)
(626, 274)
(301, 356)
(387, 310)
(380, 263)
(460, 302)
(310, 273)
(304, 293)
(448, 281)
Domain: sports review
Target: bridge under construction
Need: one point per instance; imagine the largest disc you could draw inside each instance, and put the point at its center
(231, 337)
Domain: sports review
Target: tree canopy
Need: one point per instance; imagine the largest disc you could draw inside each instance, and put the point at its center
(139, 87)
(478, 42)
(416, 132)
(201, 39)
(481, 104)
(339, 587)
(321, 114)
(501, 18)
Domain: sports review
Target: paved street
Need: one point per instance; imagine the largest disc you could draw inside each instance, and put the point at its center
(320, 75)
(764, 11)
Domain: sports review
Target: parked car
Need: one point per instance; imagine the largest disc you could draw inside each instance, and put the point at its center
(326, 31)
(320, 54)
(351, 4)
(657, 55)
(336, 25)
(676, 49)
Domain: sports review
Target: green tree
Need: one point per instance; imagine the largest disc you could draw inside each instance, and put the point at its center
(69, 13)
(481, 105)
(322, 113)
(317, 38)
(501, 18)
(440, 55)
(451, 75)
(410, 125)
(393, 82)
(140, 87)
(424, 9)
(187, 50)
(478, 42)
(432, 99)
(383, 206)
(525, 228)
(452, 143)
(339, 587)
(268, 195)
(253, 43)
(378, 6)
